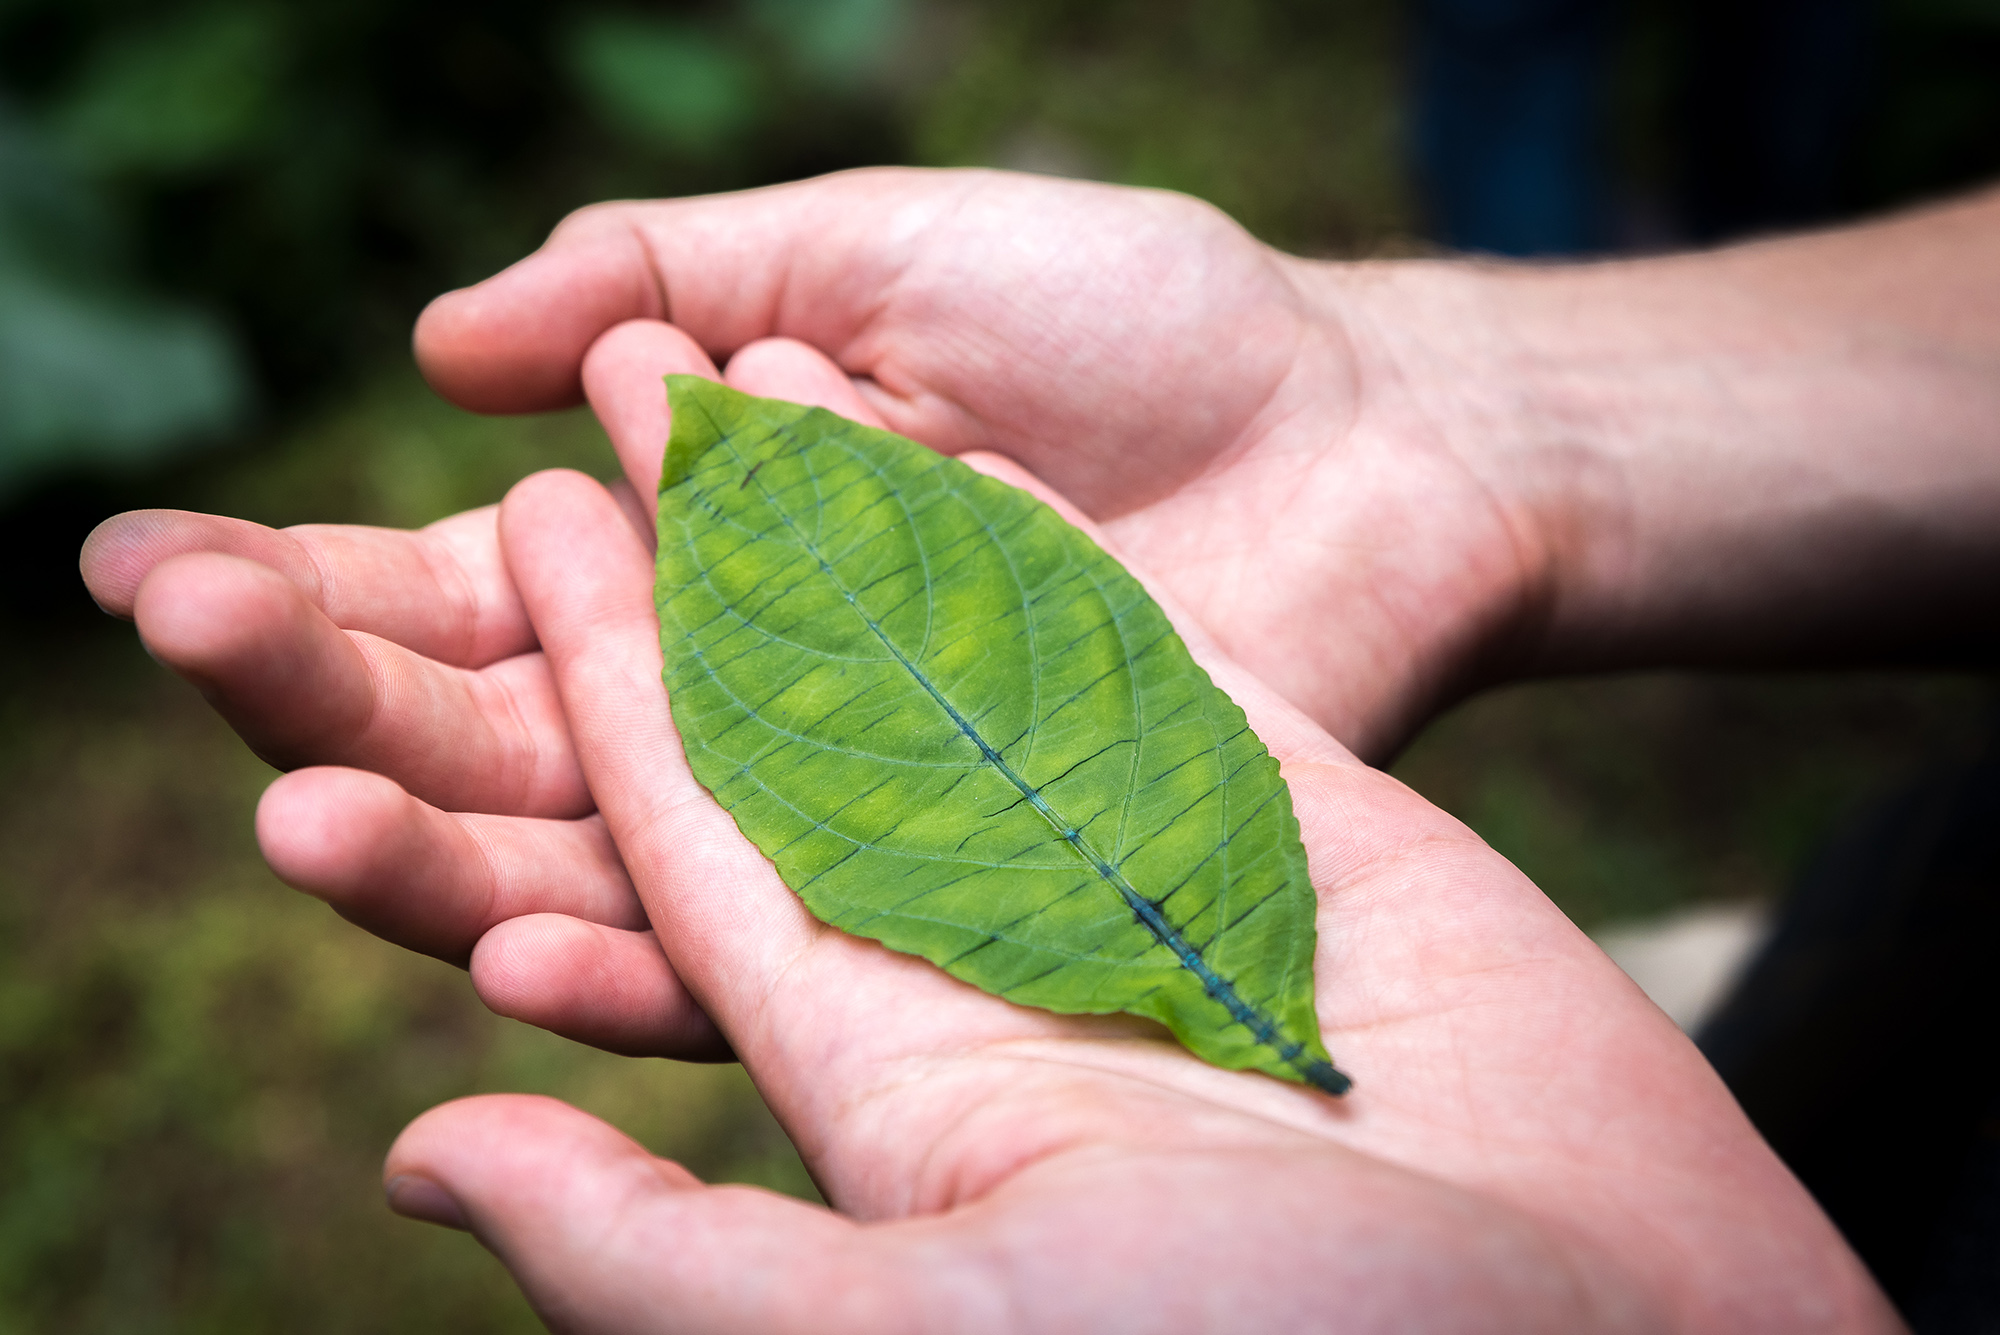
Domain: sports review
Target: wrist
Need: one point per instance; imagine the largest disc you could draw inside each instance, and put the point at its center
(1502, 366)
(1444, 370)
(1781, 453)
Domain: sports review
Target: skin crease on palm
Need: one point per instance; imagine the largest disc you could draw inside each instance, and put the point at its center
(1531, 1145)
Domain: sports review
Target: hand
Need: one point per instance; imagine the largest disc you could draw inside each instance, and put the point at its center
(1531, 1145)
(1780, 453)
(1229, 413)
(441, 806)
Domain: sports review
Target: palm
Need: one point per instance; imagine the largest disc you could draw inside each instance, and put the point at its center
(1208, 399)
(1530, 1144)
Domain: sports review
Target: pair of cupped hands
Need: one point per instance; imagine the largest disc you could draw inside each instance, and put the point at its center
(482, 766)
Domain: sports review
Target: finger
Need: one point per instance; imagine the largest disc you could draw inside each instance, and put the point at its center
(602, 1236)
(435, 881)
(810, 260)
(637, 513)
(623, 370)
(516, 342)
(588, 581)
(440, 591)
(953, 295)
(302, 691)
(541, 910)
(606, 986)
(784, 368)
(622, 375)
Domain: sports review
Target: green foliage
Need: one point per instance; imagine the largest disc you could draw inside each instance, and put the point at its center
(106, 377)
(698, 86)
(186, 93)
(200, 1071)
(276, 188)
(959, 728)
(92, 367)
(838, 43)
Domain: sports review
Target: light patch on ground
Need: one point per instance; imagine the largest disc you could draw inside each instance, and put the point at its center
(1687, 962)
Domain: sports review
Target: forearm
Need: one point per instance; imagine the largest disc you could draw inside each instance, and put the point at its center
(1780, 453)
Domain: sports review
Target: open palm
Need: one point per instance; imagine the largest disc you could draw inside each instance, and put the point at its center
(1186, 383)
(494, 777)
(1226, 411)
(1531, 1145)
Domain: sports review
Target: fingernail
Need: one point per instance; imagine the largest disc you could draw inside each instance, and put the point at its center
(416, 1197)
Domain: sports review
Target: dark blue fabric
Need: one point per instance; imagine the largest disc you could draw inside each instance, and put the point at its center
(1508, 134)
(1508, 123)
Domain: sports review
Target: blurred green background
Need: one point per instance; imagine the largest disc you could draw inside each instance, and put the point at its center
(217, 221)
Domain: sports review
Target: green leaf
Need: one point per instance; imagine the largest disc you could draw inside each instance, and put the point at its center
(959, 728)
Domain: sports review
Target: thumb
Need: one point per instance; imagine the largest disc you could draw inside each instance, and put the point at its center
(603, 1236)
(807, 259)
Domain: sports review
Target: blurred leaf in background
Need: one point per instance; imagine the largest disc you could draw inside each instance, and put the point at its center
(189, 90)
(687, 87)
(698, 85)
(93, 369)
(837, 43)
(1284, 113)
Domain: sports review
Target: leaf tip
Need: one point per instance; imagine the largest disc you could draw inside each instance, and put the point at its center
(690, 398)
(1326, 1077)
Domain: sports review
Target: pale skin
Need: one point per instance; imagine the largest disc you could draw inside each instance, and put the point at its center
(1464, 472)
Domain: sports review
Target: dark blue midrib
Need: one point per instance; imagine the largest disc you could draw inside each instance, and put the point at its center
(1263, 1027)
